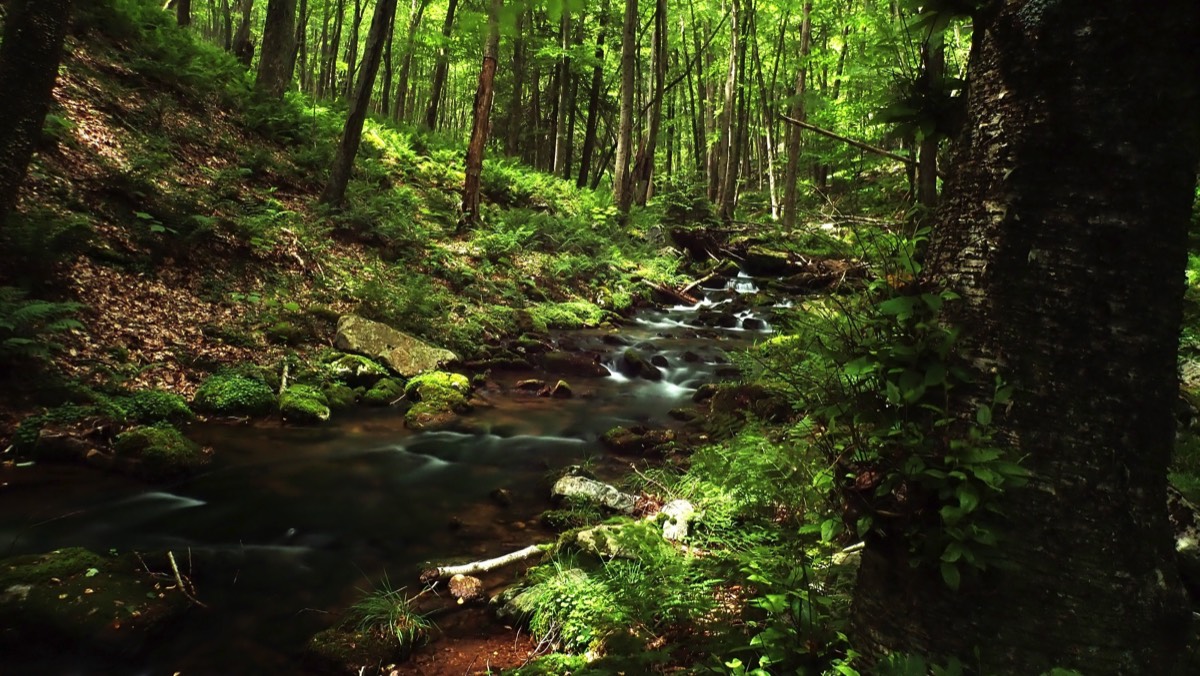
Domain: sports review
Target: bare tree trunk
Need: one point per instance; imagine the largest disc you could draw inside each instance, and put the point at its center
(791, 173)
(385, 98)
(516, 109)
(731, 146)
(34, 31)
(934, 56)
(275, 59)
(299, 60)
(593, 112)
(227, 24)
(767, 152)
(329, 89)
(343, 163)
(483, 114)
(183, 12)
(1064, 230)
(439, 72)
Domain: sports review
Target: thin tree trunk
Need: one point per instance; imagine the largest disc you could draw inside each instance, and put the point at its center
(443, 65)
(343, 163)
(275, 59)
(516, 109)
(934, 56)
(799, 112)
(360, 7)
(564, 93)
(243, 42)
(299, 60)
(414, 24)
(227, 24)
(643, 173)
(730, 146)
(385, 98)
(483, 114)
(622, 188)
(34, 31)
(1063, 228)
(335, 48)
(183, 12)
(767, 152)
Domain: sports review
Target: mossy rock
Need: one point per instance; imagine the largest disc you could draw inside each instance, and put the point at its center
(339, 396)
(638, 439)
(569, 315)
(73, 597)
(635, 365)
(158, 452)
(234, 394)
(287, 333)
(355, 370)
(304, 404)
(426, 417)
(348, 651)
(440, 390)
(384, 392)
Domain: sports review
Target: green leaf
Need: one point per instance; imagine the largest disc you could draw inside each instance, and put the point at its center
(92, 572)
(984, 415)
(935, 375)
(951, 575)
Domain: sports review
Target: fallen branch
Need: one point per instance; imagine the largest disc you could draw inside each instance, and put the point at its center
(475, 567)
(857, 144)
(179, 581)
(679, 296)
(698, 282)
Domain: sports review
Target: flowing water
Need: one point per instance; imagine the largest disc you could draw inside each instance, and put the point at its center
(290, 523)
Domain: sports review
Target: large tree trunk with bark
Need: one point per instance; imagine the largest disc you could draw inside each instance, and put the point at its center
(343, 163)
(441, 69)
(622, 183)
(243, 42)
(483, 115)
(275, 59)
(34, 31)
(1064, 230)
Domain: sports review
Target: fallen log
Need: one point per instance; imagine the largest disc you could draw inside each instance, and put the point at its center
(678, 296)
(475, 567)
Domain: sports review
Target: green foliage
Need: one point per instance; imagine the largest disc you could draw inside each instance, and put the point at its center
(230, 393)
(388, 612)
(28, 326)
(384, 392)
(35, 242)
(569, 315)
(572, 608)
(152, 406)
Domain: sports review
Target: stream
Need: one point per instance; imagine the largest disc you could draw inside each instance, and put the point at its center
(291, 524)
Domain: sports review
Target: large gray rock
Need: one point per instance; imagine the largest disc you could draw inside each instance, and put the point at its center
(595, 492)
(679, 515)
(399, 351)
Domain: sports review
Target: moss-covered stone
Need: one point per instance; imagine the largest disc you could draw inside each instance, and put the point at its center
(304, 404)
(384, 392)
(570, 315)
(355, 370)
(635, 365)
(234, 394)
(286, 333)
(73, 597)
(151, 406)
(159, 452)
(439, 389)
(342, 650)
(339, 396)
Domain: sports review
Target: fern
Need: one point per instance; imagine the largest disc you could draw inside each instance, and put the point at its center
(27, 325)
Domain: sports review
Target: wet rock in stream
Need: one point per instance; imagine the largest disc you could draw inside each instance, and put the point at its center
(572, 364)
(634, 365)
(638, 439)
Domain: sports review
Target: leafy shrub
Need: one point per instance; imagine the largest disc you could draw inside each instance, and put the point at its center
(33, 243)
(384, 392)
(151, 406)
(233, 394)
(28, 325)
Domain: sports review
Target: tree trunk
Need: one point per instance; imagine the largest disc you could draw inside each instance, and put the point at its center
(227, 24)
(183, 12)
(483, 115)
(643, 173)
(352, 46)
(791, 173)
(34, 31)
(329, 88)
(243, 42)
(561, 139)
(934, 57)
(299, 59)
(279, 42)
(414, 24)
(622, 188)
(516, 122)
(1063, 227)
(439, 72)
(733, 138)
(385, 97)
(343, 163)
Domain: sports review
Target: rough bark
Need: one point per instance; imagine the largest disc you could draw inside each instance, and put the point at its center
(278, 46)
(792, 171)
(343, 163)
(440, 70)
(243, 42)
(183, 12)
(1064, 230)
(483, 115)
(34, 31)
(622, 188)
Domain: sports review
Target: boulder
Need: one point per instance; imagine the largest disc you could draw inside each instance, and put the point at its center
(355, 370)
(596, 492)
(400, 352)
(159, 452)
(304, 404)
(634, 365)
(572, 364)
(679, 514)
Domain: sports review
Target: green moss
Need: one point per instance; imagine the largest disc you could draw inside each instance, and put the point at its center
(59, 564)
(234, 394)
(339, 396)
(286, 333)
(160, 451)
(570, 315)
(553, 665)
(384, 392)
(151, 406)
(304, 404)
(440, 391)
